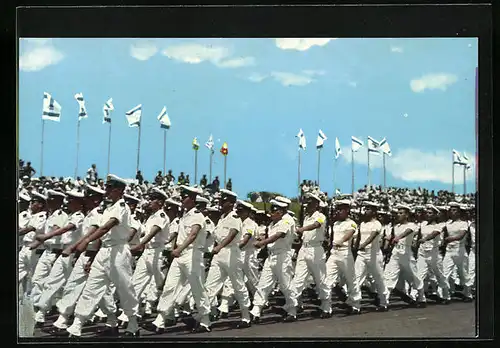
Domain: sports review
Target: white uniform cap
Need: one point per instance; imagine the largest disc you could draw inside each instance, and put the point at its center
(35, 179)
(36, 196)
(213, 209)
(343, 202)
(132, 198)
(245, 204)
(455, 204)
(371, 204)
(291, 213)
(201, 199)
(96, 189)
(117, 179)
(254, 209)
(403, 206)
(313, 196)
(228, 193)
(196, 190)
(75, 194)
(433, 207)
(54, 193)
(171, 201)
(278, 203)
(323, 204)
(139, 210)
(282, 200)
(24, 197)
(157, 191)
(261, 212)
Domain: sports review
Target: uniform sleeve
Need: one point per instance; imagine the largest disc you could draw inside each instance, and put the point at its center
(320, 218)
(351, 226)
(38, 222)
(118, 212)
(378, 227)
(76, 220)
(284, 226)
(248, 229)
(197, 219)
(159, 221)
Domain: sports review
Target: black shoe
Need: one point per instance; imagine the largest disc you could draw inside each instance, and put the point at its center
(108, 331)
(131, 334)
(223, 315)
(55, 331)
(376, 301)
(39, 325)
(243, 325)
(353, 311)
(189, 322)
(421, 304)
(254, 319)
(289, 319)
(153, 328)
(468, 299)
(300, 309)
(123, 325)
(201, 329)
(381, 309)
(444, 302)
(325, 315)
(170, 323)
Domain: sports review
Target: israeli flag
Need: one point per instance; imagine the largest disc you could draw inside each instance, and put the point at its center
(338, 150)
(82, 113)
(384, 146)
(210, 143)
(106, 110)
(373, 146)
(134, 116)
(51, 108)
(164, 119)
(321, 139)
(356, 144)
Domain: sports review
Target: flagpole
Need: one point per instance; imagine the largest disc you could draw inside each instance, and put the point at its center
(164, 151)
(335, 176)
(465, 181)
(369, 174)
(319, 158)
(138, 146)
(77, 146)
(452, 173)
(195, 167)
(298, 185)
(225, 167)
(109, 147)
(352, 171)
(41, 148)
(383, 159)
(211, 160)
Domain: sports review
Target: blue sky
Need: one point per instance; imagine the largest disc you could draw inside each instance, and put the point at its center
(256, 94)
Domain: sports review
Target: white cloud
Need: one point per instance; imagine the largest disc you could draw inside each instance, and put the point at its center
(396, 49)
(37, 54)
(256, 77)
(143, 50)
(314, 72)
(290, 79)
(236, 62)
(301, 44)
(353, 83)
(413, 165)
(433, 81)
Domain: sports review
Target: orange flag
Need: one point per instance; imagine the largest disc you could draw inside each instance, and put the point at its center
(224, 149)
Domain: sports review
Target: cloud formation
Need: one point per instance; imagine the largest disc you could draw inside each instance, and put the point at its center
(432, 81)
(300, 44)
(290, 79)
(37, 54)
(198, 53)
(414, 165)
(143, 50)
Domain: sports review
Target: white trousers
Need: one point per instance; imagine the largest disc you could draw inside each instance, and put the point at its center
(368, 263)
(228, 263)
(427, 264)
(340, 264)
(111, 265)
(401, 268)
(74, 286)
(26, 258)
(277, 268)
(472, 269)
(457, 258)
(312, 261)
(190, 267)
(59, 274)
(42, 270)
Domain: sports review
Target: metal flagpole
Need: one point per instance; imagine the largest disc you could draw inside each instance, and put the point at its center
(369, 174)
(164, 151)
(109, 147)
(352, 171)
(335, 177)
(319, 158)
(465, 182)
(138, 146)
(41, 148)
(383, 159)
(77, 147)
(211, 160)
(225, 167)
(453, 173)
(298, 185)
(195, 167)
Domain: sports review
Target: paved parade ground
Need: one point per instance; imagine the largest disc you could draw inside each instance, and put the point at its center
(456, 320)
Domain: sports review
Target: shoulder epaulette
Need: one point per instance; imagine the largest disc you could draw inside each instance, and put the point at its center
(122, 204)
(162, 215)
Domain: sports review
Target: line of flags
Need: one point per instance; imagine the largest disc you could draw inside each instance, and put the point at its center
(461, 160)
(374, 146)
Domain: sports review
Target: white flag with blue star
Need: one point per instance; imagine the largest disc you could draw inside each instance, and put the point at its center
(82, 112)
